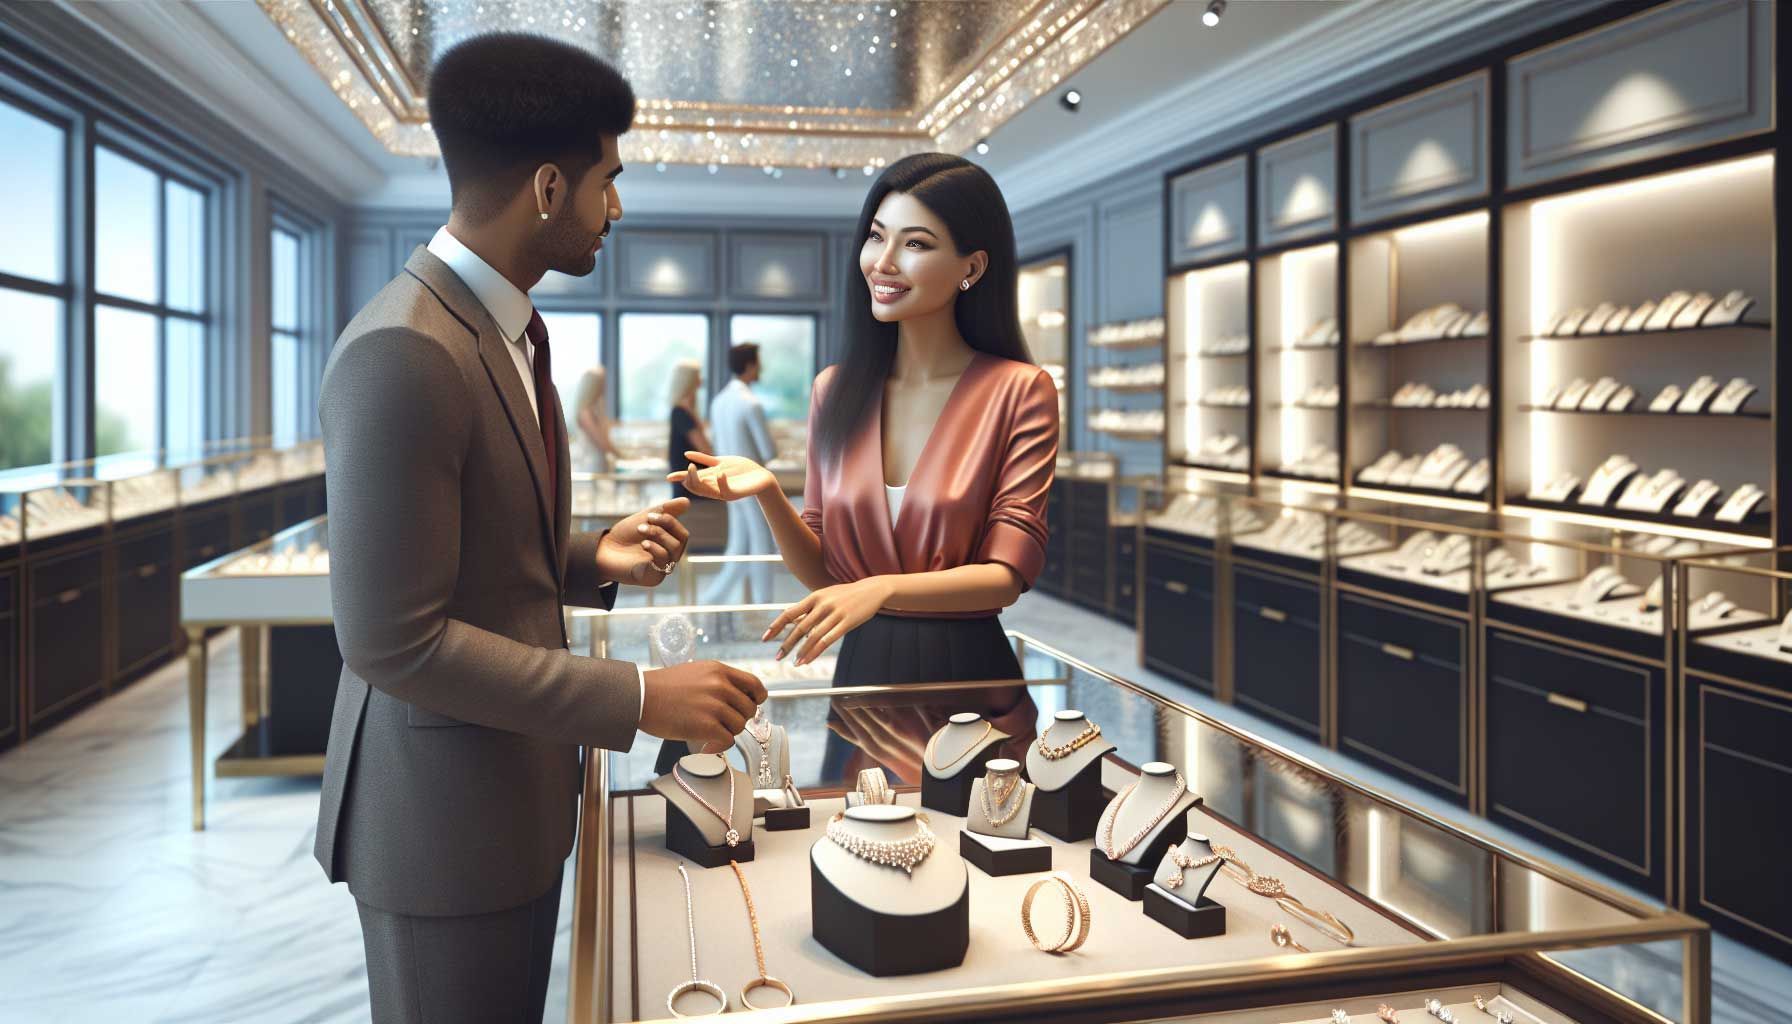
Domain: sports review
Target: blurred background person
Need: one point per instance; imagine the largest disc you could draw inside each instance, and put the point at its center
(737, 419)
(687, 431)
(593, 450)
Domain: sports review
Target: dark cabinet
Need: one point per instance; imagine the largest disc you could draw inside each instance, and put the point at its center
(65, 664)
(257, 512)
(1276, 639)
(205, 534)
(1125, 584)
(1576, 754)
(1403, 692)
(1054, 577)
(9, 658)
(1738, 786)
(1179, 612)
(143, 595)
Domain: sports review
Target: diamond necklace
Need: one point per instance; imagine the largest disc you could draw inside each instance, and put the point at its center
(1058, 753)
(901, 853)
(732, 838)
(1002, 812)
(761, 731)
(1113, 812)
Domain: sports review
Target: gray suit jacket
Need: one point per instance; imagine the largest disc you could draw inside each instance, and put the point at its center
(452, 776)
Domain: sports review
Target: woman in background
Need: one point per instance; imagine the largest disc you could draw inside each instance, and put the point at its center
(593, 451)
(687, 432)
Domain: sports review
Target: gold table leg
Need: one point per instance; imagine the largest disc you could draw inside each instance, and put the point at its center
(1696, 978)
(196, 720)
(249, 646)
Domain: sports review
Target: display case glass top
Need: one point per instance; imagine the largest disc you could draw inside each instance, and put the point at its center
(1413, 891)
(284, 579)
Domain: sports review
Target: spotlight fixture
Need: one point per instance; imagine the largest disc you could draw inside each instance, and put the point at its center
(660, 167)
(840, 173)
(982, 147)
(713, 168)
(1072, 99)
(1211, 16)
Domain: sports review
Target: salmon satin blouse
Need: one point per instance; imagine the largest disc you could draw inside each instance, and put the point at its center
(977, 492)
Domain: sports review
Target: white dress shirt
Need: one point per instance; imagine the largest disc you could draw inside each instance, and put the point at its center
(510, 308)
(737, 424)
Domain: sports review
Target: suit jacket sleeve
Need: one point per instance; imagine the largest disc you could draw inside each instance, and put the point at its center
(394, 414)
(584, 588)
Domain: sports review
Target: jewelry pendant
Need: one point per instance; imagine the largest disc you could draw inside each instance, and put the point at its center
(733, 837)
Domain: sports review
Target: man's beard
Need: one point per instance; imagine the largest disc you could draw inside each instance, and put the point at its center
(569, 247)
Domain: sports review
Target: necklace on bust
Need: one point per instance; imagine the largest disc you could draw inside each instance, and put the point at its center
(760, 728)
(933, 746)
(731, 837)
(1184, 862)
(1077, 742)
(1002, 797)
(900, 853)
(1113, 812)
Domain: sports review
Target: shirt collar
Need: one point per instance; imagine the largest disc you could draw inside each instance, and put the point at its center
(509, 307)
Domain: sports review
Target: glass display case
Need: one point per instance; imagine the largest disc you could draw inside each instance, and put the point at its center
(1334, 896)
(1208, 397)
(1298, 386)
(1044, 301)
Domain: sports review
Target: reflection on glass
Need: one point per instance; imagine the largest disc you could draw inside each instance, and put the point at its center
(125, 382)
(32, 170)
(786, 361)
(576, 341)
(28, 355)
(186, 247)
(652, 344)
(285, 262)
(125, 256)
(183, 394)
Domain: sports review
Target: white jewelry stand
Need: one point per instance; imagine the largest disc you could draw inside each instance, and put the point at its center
(1009, 848)
(1128, 874)
(881, 919)
(1741, 504)
(1069, 800)
(694, 832)
(778, 756)
(962, 745)
(1701, 494)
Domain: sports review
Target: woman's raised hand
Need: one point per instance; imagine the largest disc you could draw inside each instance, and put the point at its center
(724, 479)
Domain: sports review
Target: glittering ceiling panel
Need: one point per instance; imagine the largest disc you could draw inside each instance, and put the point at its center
(787, 83)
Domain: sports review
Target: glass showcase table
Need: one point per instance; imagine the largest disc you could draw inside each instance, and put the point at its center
(1434, 911)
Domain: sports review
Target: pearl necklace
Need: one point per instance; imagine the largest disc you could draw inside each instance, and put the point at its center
(731, 837)
(1113, 812)
(903, 853)
(1090, 731)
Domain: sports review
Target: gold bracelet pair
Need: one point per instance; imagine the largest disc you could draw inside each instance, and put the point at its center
(1076, 914)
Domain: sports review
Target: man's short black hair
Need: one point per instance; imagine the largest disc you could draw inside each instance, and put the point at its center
(742, 357)
(505, 103)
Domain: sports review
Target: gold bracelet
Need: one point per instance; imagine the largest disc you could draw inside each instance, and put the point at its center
(1273, 888)
(1076, 915)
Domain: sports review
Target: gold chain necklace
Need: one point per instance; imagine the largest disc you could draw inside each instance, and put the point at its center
(1002, 812)
(933, 745)
(731, 837)
(1184, 863)
(1082, 739)
(765, 980)
(1113, 813)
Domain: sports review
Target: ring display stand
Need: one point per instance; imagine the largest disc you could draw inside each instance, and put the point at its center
(692, 831)
(881, 919)
(1069, 798)
(949, 791)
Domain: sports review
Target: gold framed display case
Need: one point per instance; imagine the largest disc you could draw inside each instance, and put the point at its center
(1298, 387)
(281, 581)
(1433, 910)
(1207, 398)
(1736, 696)
(1044, 298)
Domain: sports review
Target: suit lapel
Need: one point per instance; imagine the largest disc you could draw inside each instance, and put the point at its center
(501, 369)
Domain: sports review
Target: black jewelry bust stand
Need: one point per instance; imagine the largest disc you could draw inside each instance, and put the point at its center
(953, 795)
(996, 857)
(684, 838)
(786, 819)
(882, 945)
(1072, 812)
(1130, 880)
(1202, 919)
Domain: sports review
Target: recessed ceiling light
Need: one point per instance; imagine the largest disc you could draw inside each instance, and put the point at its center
(660, 167)
(982, 147)
(1072, 99)
(840, 173)
(713, 168)
(1211, 16)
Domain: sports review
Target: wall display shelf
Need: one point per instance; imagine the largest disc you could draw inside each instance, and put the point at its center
(1147, 333)
(1297, 317)
(1045, 318)
(1402, 867)
(1209, 332)
(1650, 357)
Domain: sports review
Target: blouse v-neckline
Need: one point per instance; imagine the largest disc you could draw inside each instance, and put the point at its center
(921, 457)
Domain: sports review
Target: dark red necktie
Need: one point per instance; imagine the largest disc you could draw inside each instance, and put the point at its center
(547, 409)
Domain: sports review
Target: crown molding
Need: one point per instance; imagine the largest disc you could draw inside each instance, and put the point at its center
(1350, 54)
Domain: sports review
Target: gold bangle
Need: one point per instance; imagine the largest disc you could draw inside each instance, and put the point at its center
(1076, 915)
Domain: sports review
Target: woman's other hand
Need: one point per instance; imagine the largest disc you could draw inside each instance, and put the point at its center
(828, 614)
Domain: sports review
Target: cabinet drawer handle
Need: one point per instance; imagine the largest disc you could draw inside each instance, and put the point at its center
(146, 571)
(1396, 651)
(1176, 586)
(1568, 702)
(1273, 614)
(69, 596)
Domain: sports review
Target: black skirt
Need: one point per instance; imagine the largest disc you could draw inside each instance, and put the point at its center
(890, 649)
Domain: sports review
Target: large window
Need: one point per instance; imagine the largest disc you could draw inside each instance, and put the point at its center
(576, 340)
(151, 312)
(295, 336)
(786, 360)
(651, 345)
(33, 284)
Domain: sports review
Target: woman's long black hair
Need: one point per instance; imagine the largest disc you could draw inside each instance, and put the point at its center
(966, 198)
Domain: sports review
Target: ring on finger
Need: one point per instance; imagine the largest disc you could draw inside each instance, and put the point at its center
(663, 570)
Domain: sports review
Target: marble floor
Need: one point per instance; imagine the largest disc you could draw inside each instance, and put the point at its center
(113, 910)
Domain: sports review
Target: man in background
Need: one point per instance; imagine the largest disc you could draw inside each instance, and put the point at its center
(738, 422)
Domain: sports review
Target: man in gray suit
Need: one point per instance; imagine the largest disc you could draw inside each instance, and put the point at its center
(452, 775)
(738, 427)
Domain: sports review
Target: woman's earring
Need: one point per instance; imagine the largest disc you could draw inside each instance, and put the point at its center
(965, 285)
(544, 215)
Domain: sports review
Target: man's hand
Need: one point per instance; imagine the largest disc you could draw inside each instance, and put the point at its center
(632, 549)
(828, 614)
(704, 703)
